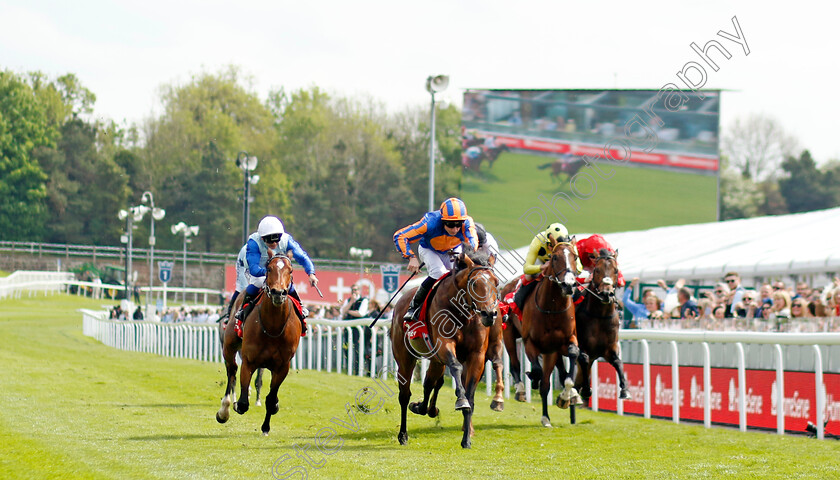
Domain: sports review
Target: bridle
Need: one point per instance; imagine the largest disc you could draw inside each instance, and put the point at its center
(473, 305)
(558, 279)
(607, 280)
(279, 295)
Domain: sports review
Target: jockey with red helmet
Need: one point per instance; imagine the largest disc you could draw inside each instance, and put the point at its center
(438, 232)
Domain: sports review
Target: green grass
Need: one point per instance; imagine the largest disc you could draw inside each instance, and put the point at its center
(632, 199)
(74, 408)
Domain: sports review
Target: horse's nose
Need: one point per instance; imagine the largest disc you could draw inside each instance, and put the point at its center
(487, 318)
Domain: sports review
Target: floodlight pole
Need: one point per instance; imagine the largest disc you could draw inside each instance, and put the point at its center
(432, 156)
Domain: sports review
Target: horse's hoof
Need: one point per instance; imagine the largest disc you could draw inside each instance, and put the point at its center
(497, 406)
(520, 397)
(222, 419)
(265, 434)
(545, 422)
(434, 412)
(462, 404)
(417, 408)
(402, 437)
(624, 395)
(259, 403)
(466, 443)
(578, 400)
(562, 403)
(240, 408)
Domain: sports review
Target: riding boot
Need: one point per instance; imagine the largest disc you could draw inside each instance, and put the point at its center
(245, 310)
(522, 294)
(418, 299)
(304, 312)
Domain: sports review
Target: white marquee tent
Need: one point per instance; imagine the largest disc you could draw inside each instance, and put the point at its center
(787, 247)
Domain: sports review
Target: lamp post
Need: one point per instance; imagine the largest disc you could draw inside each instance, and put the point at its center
(247, 163)
(188, 232)
(434, 84)
(133, 214)
(157, 214)
(362, 253)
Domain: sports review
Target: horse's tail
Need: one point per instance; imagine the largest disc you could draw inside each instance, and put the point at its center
(544, 166)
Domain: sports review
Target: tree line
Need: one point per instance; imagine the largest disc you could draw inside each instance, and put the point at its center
(338, 171)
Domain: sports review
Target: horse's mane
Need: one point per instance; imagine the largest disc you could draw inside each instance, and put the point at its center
(478, 258)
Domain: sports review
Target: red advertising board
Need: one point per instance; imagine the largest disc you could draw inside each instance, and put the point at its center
(335, 285)
(762, 404)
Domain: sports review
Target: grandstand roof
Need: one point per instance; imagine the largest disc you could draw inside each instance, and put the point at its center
(782, 245)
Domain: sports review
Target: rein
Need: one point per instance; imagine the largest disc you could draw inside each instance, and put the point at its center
(554, 278)
(267, 291)
(478, 268)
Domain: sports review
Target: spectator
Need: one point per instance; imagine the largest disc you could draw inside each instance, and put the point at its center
(765, 293)
(781, 304)
(138, 314)
(719, 312)
(736, 292)
(216, 315)
(671, 302)
(748, 306)
(799, 307)
(356, 306)
(641, 311)
(802, 291)
(373, 309)
(765, 309)
(688, 307)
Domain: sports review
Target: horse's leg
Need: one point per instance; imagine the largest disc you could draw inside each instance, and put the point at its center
(246, 371)
(498, 402)
(433, 410)
(456, 370)
(585, 369)
(471, 376)
(569, 394)
(258, 384)
(223, 414)
(434, 374)
(615, 361)
(272, 405)
(561, 370)
(509, 339)
(549, 359)
(536, 372)
(405, 370)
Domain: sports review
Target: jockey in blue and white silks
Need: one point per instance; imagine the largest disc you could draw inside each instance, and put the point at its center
(270, 234)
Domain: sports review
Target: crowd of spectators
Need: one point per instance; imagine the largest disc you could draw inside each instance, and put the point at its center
(773, 306)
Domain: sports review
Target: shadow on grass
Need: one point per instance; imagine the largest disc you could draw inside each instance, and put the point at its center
(164, 405)
(154, 438)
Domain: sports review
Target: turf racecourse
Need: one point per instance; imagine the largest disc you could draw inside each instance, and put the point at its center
(77, 409)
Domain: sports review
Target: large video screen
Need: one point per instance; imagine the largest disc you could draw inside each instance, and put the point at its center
(598, 161)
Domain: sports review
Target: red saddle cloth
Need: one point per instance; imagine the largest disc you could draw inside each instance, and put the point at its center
(419, 328)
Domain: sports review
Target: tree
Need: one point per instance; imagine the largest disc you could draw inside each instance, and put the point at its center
(739, 195)
(805, 188)
(24, 126)
(757, 145)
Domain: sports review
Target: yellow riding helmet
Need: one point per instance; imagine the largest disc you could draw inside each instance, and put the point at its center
(558, 231)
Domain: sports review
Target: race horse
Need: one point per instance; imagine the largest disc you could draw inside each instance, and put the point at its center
(598, 322)
(458, 320)
(568, 166)
(495, 351)
(548, 328)
(474, 155)
(270, 337)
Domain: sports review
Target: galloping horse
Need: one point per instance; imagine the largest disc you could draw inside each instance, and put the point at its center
(598, 322)
(548, 326)
(458, 318)
(489, 154)
(270, 337)
(562, 165)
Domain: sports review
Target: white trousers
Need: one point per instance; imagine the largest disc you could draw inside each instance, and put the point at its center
(437, 264)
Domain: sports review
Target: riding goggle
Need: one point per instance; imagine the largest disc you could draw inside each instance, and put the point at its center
(274, 237)
(453, 224)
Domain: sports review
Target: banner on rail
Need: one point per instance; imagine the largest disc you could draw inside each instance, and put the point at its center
(763, 406)
(334, 284)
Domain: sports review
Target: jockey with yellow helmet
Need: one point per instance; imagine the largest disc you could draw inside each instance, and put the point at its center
(538, 253)
(438, 232)
(271, 234)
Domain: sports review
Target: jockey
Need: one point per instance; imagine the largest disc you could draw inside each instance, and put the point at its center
(438, 232)
(538, 253)
(270, 234)
(593, 245)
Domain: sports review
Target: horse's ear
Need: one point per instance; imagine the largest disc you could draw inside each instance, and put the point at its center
(573, 240)
(593, 257)
(492, 260)
(550, 243)
(467, 260)
(616, 254)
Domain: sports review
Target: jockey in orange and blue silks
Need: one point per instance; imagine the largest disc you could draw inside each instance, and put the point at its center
(438, 232)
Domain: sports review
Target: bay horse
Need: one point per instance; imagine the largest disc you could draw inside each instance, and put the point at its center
(564, 166)
(598, 321)
(548, 327)
(270, 337)
(458, 320)
(489, 154)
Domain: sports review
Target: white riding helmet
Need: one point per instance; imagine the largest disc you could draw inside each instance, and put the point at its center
(270, 225)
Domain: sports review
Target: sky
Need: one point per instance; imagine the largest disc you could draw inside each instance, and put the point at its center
(125, 51)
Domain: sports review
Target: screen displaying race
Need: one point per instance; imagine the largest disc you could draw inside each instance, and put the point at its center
(596, 160)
